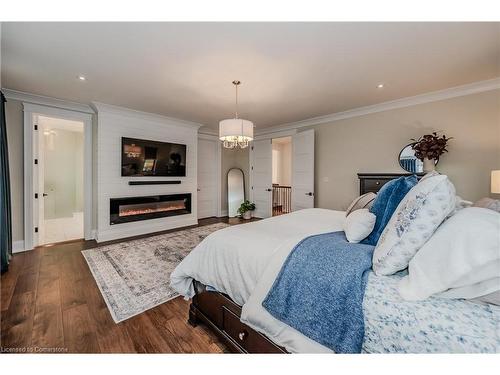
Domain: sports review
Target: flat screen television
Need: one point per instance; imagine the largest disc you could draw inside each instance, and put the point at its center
(143, 158)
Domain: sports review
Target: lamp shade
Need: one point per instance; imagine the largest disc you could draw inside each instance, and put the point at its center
(235, 127)
(495, 182)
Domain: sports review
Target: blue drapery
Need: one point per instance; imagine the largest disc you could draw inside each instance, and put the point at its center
(5, 204)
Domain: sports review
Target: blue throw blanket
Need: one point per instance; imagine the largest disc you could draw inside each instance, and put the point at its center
(320, 288)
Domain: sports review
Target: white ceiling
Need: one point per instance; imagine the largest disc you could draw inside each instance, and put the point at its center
(289, 71)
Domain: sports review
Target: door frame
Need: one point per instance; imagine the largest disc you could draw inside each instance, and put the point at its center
(296, 185)
(270, 136)
(30, 150)
(218, 160)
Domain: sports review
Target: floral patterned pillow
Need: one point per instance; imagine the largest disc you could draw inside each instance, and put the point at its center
(416, 218)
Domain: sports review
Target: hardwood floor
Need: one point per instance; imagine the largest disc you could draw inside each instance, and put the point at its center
(51, 303)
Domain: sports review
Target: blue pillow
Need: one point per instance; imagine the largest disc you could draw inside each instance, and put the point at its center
(386, 203)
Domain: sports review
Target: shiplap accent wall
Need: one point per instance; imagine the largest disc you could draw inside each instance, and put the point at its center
(113, 123)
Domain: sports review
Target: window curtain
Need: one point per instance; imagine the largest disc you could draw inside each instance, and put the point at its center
(5, 207)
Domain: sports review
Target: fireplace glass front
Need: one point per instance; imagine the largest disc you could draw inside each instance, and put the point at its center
(123, 210)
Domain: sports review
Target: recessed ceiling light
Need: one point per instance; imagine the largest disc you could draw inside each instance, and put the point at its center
(380, 86)
(81, 78)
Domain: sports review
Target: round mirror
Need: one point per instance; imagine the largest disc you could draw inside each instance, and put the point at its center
(409, 162)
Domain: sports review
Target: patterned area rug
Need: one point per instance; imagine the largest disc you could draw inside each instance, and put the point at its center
(134, 276)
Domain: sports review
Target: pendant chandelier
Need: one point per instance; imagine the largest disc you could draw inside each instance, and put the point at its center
(235, 132)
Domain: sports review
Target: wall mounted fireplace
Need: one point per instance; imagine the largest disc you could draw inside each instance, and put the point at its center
(124, 210)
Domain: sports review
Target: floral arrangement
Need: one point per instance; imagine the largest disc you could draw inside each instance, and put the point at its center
(246, 206)
(430, 146)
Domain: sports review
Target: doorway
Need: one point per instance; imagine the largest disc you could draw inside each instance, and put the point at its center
(282, 175)
(60, 179)
(57, 175)
(209, 178)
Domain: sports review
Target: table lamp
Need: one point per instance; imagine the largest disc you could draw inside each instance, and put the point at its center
(495, 182)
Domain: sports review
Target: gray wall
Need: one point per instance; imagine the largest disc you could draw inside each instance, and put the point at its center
(368, 143)
(371, 143)
(234, 159)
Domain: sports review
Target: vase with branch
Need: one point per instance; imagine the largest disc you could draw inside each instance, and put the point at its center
(429, 148)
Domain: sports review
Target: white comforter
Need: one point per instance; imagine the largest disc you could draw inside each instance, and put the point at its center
(244, 260)
(232, 260)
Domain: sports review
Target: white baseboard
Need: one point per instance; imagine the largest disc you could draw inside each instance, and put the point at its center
(93, 235)
(18, 246)
(223, 213)
(130, 230)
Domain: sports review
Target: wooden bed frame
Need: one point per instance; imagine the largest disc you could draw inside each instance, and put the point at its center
(222, 315)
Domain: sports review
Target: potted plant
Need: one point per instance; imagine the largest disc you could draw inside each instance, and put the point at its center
(429, 148)
(246, 209)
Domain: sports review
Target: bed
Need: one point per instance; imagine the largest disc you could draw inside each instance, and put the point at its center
(230, 273)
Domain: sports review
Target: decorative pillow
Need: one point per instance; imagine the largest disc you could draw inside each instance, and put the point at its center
(460, 204)
(386, 202)
(429, 174)
(363, 201)
(492, 204)
(358, 225)
(461, 260)
(416, 218)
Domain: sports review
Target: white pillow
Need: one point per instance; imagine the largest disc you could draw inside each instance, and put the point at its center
(416, 218)
(358, 225)
(363, 201)
(461, 260)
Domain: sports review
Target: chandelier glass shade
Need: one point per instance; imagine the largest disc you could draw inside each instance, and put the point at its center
(235, 132)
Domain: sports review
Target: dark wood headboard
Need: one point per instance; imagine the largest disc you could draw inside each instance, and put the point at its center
(372, 182)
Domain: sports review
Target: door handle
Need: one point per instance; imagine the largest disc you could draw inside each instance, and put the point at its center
(268, 189)
(44, 194)
(310, 194)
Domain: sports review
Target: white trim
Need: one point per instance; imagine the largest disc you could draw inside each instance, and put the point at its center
(276, 134)
(146, 116)
(66, 114)
(251, 156)
(223, 213)
(218, 160)
(88, 165)
(219, 178)
(210, 137)
(46, 101)
(207, 131)
(28, 180)
(18, 247)
(30, 110)
(453, 92)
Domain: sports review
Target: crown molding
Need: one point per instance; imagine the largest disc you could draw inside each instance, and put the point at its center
(211, 137)
(453, 92)
(208, 131)
(46, 101)
(101, 108)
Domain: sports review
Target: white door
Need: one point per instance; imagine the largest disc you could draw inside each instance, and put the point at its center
(262, 176)
(303, 170)
(207, 177)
